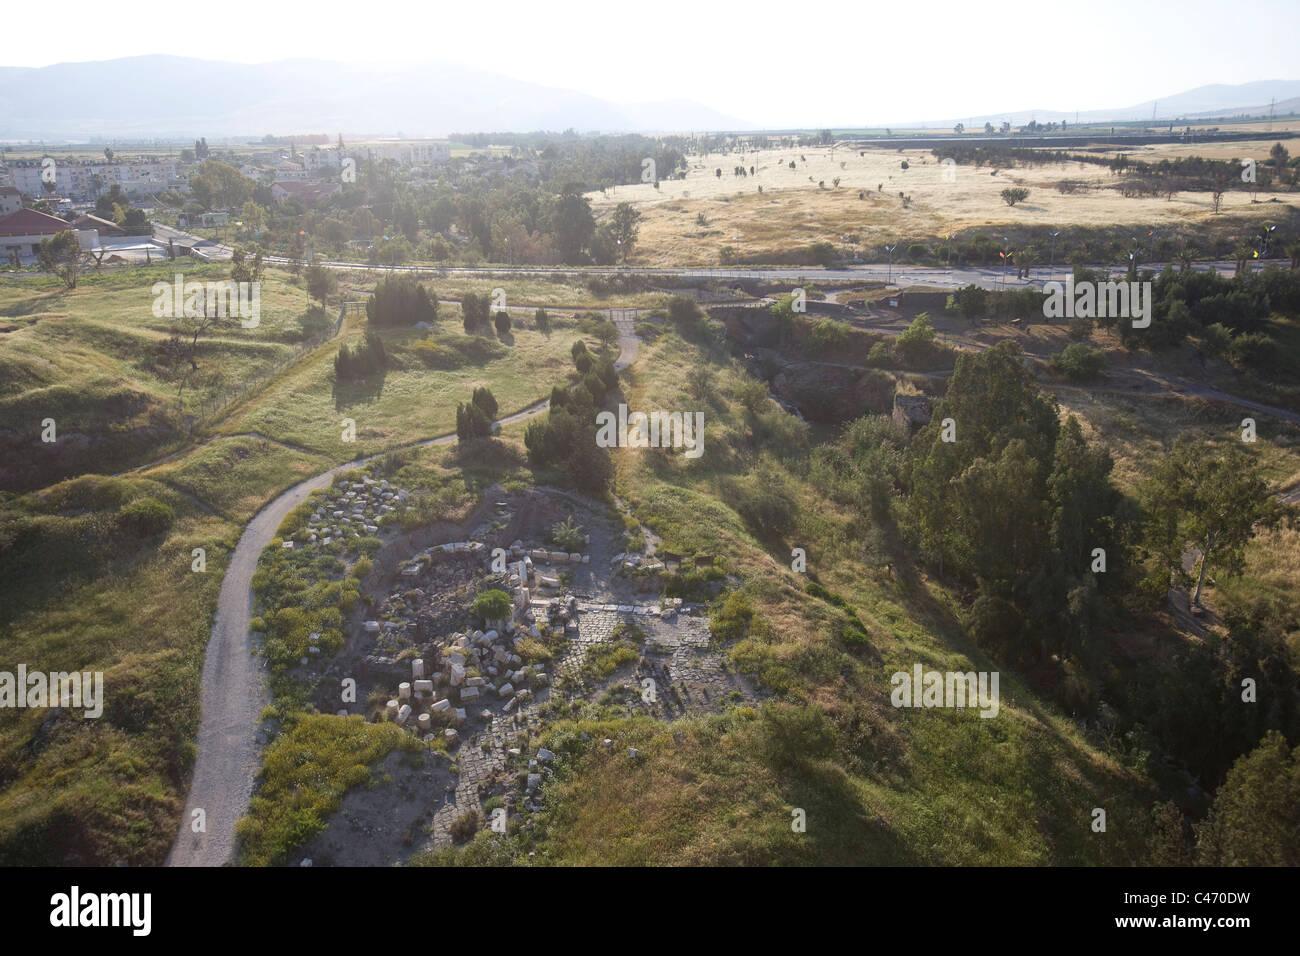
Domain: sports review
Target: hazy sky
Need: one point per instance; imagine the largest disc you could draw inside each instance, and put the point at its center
(771, 63)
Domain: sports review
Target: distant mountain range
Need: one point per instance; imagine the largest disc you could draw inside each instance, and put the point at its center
(1204, 102)
(174, 97)
(182, 97)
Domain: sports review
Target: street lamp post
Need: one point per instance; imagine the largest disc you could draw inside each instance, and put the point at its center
(1052, 262)
(890, 250)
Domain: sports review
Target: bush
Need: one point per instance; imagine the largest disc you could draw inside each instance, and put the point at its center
(401, 300)
(593, 383)
(567, 535)
(1079, 362)
(822, 253)
(764, 503)
(471, 423)
(475, 312)
(145, 517)
(492, 605)
(486, 402)
(502, 321)
(465, 826)
(730, 619)
(918, 345)
(363, 360)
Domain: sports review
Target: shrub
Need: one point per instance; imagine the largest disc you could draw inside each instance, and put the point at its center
(492, 605)
(401, 300)
(363, 360)
(475, 312)
(486, 402)
(145, 517)
(593, 383)
(567, 535)
(1079, 362)
(881, 354)
(730, 618)
(465, 826)
(471, 423)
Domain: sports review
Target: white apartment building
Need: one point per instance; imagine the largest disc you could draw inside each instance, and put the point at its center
(85, 180)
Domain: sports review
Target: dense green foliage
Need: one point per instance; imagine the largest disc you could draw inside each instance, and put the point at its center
(400, 301)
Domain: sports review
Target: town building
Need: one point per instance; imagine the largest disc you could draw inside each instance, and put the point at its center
(21, 233)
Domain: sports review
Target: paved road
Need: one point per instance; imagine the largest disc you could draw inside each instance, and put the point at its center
(900, 275)
(234, 689)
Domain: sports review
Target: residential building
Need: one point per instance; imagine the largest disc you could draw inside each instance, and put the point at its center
(21, 233)
(308, 194)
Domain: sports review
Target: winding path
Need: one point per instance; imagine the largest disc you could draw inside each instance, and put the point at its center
(234, 688)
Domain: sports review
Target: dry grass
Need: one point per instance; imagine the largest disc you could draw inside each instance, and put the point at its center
(794, 211)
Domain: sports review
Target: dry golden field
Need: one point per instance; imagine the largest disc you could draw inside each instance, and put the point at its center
(801, 206)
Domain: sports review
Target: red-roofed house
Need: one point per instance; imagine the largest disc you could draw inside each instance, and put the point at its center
(22, 232)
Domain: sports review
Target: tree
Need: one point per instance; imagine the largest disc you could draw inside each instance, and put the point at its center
(1255, 819)
(401, 300)
(972, 300)
(607, 332)
(625, 228)
(471, 422)
(135, 222)
(543, 321)
(363, 360)
(364, 223)
(1079, 362)
(1212, 501)
(219, 185)
(1279, 156)
(1014, 194)
(1217, 188)
(476, 312)
(105, 205)
(61, 254)
(916, 343)
(321, 283)
(572, 223)
(502, 322)
(253, 216)
(992, 400)
(486, 402)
